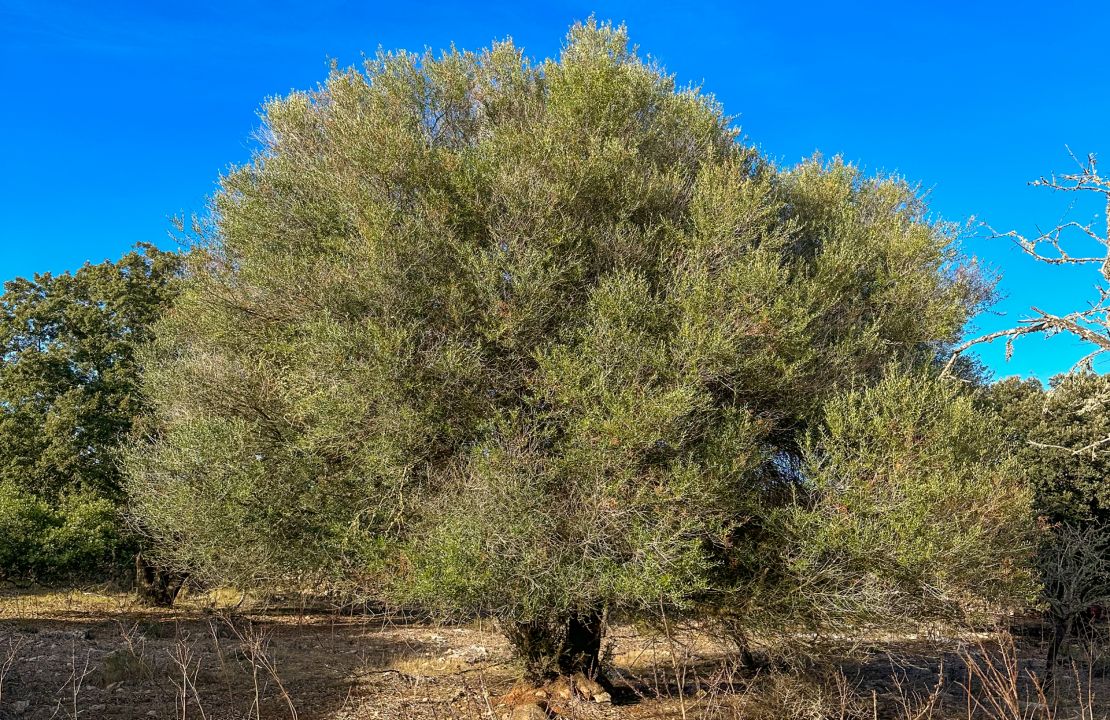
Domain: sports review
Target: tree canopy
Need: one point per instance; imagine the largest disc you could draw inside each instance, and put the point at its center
(1059, 434)
(540, 339)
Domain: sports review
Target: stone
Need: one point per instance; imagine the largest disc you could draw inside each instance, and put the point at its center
(603, 697)
(586, 687)
(528, 712)
(562, 689)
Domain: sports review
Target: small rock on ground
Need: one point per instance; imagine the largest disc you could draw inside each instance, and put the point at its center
(528, 712)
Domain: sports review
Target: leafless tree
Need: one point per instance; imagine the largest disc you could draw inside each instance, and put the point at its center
(1064, 245)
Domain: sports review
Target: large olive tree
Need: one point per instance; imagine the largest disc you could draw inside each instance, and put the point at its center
(541, 340)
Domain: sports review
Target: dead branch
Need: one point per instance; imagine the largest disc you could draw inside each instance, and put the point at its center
(1091, 325)
(1086, 180)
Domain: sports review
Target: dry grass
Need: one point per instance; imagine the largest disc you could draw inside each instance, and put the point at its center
(99, 655)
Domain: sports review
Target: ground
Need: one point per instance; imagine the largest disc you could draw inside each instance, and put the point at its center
(84, 654)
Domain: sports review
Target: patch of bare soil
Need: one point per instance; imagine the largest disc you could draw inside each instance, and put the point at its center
(83, 655)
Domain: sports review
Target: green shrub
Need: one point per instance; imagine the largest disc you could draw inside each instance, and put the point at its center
(78, 538)
(919, 509)
(25, 523)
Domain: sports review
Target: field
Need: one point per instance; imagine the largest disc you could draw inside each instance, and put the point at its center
(81, 654)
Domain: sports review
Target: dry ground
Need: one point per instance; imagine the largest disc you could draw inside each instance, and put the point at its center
(98, 655)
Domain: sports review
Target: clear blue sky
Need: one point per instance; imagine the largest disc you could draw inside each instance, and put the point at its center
(116, 116)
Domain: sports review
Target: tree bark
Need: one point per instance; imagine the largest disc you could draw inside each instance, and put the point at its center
(582, 645)
(156, 585)
(1061, 628)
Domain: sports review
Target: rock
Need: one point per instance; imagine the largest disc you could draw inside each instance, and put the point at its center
(528, 712)
(603, 697)
(562, 689)
(20, 706)
(542, 694)
(586, 687)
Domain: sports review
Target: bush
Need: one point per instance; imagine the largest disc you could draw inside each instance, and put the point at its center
(25, 523)
(79, 538)
(918, 510)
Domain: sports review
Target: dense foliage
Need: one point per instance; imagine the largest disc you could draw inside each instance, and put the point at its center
(546, 340)
(69, 397)
(1059, 434)
(916, 489)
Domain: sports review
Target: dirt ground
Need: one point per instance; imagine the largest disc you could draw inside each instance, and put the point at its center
(98, 655)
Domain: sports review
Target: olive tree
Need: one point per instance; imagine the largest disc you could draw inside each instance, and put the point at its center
(536, 339)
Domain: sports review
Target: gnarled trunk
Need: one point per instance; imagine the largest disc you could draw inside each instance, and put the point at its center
(156, 585)
(565, 645)
(581, 651)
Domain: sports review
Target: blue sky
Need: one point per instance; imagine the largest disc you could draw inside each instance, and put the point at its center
(116, 116)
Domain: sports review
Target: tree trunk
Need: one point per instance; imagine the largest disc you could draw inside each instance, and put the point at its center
(156, 585)
(1061, 628)
(564, 646)
(581, 650)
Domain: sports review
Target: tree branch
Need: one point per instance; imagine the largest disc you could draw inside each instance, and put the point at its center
(1079, 324)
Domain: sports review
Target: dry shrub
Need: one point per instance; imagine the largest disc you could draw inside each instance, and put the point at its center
(981, 680)
(123, 666)
(781, 695)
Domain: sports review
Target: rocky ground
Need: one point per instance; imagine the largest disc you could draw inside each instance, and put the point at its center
(97, 655)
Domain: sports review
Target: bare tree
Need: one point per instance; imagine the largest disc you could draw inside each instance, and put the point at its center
(1073, 561)
(1058, 246)
(1075, 568)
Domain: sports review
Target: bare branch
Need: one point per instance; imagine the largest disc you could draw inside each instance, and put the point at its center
(1090, 447)
(1087, 362)
(1053, 238)
(1091, 325)
(1048, 324)
(1070, 323)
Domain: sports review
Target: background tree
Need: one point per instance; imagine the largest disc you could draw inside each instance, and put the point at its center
(1058, 436)
(542, 340)
(69, 396)
(1063, 435)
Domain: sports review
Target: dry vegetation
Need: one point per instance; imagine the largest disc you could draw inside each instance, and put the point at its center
(83, 654)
